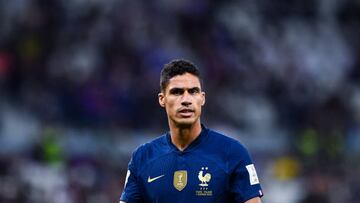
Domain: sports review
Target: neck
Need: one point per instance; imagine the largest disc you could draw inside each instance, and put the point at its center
(183, 136)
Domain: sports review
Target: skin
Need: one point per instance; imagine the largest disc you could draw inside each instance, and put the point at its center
(183, 99)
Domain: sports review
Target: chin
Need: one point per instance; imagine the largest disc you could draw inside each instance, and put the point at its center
(185, 122)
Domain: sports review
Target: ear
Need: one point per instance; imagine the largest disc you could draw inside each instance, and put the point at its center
(203, 98)
(161, 98)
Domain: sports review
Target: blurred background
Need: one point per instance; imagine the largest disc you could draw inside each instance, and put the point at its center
(79, 82)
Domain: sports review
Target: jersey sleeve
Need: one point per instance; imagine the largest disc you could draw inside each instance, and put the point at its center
(132, 190)
(244, 183)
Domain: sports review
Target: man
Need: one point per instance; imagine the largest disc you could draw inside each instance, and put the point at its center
(190, 163)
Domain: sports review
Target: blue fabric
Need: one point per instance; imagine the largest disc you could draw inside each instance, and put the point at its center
(212, 169)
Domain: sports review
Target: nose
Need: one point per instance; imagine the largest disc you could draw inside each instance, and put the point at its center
(186, 99)
(186, 103)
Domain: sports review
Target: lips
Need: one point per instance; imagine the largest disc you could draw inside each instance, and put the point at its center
(186, 112)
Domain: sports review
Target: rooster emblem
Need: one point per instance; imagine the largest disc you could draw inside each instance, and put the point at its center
(204, 178)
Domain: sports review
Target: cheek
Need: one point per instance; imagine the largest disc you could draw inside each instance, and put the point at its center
(201, 102)
(170, 107)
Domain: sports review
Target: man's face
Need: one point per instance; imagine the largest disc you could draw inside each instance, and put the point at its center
(183, 99)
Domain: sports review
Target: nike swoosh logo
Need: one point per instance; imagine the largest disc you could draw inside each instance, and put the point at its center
(153, 179)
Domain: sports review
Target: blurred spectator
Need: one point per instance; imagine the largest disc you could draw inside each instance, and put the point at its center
(79, 79)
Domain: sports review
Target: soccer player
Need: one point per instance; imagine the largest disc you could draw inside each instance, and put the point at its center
(190, 163)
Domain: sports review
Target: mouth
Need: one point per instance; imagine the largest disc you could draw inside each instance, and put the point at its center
(186, 112)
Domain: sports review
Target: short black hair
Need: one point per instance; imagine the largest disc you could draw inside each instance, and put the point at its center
(177, 67)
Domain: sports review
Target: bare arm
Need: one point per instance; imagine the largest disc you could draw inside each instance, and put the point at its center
(254, 200)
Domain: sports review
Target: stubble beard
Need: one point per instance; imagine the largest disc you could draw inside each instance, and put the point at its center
(185, 123)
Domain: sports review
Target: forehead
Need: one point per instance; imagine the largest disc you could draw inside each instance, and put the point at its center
(186, 80)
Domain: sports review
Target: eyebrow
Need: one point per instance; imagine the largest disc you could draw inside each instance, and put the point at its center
(195, 88)
(182, 89)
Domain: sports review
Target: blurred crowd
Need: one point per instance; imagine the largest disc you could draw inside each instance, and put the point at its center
(79, 82)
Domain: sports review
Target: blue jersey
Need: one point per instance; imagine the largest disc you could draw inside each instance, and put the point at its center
(213, 168)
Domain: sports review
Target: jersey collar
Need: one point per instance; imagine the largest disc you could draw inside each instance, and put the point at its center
(202, 136)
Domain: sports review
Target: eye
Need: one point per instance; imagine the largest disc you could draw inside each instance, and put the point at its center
(194, 90)
(176, 91)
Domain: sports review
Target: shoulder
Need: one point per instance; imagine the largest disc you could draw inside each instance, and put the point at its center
(150, 150)
(233, 150)
(229, 143)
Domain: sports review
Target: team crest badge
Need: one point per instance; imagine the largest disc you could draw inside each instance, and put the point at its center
(180, 179)
(204, 178)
